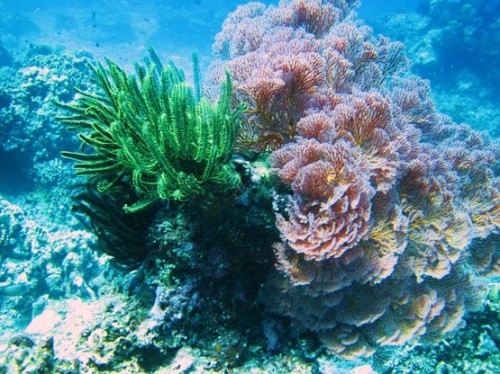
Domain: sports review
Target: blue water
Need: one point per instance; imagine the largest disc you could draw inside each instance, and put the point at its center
(122, 29)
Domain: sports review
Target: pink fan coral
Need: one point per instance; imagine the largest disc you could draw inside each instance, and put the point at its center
(385, 230)
(331, 211)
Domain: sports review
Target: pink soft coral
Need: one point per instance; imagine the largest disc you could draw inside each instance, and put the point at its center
(392, 209)
(331, 211)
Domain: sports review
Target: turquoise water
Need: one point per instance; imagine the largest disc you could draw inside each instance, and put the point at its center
(174, 28)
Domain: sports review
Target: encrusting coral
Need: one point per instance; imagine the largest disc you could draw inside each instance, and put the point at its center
(390, 204)
(154, 131)
(30, 137)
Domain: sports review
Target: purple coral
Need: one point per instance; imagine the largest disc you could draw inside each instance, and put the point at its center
(391, 202)
(330, 210)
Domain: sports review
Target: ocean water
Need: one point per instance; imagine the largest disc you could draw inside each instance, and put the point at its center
(175, 29)
(214, 276)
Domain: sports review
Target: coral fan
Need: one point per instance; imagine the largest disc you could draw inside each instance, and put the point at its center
(387, 196)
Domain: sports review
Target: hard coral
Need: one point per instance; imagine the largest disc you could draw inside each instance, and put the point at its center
(391, 204)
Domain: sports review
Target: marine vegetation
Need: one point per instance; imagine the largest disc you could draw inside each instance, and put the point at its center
(154, 131)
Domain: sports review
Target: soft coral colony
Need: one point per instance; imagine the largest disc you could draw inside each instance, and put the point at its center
(391, 218)
(393, 209)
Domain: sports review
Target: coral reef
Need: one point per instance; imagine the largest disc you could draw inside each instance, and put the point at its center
(362, 218)
(387, 195)
(192, 300)
(473, 349)
(462, 32)
(29, 134)
(40, 261)
(449, 42)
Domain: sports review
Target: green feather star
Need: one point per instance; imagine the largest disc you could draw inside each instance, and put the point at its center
(154, 131)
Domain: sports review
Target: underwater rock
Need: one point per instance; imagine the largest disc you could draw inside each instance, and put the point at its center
(11, 217)
(44, 323)
(30, 134)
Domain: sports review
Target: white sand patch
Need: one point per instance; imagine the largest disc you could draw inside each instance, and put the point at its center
(66, 321)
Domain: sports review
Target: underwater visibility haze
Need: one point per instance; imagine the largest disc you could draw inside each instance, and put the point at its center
(294, 186)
